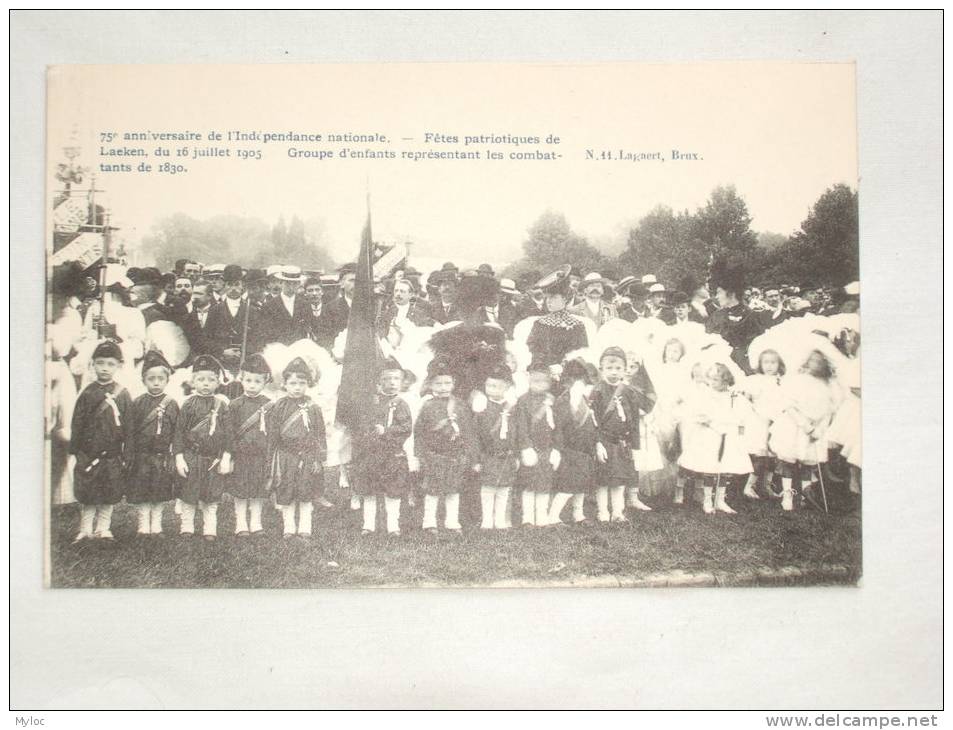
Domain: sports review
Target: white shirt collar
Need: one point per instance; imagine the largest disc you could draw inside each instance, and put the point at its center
(233, 305)
(289, 302)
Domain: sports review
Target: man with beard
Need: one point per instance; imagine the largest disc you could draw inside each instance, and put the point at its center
(655, 305)
(320, 322)
(192, 316)
(226, 323)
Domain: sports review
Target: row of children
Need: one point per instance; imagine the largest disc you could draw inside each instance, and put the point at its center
(555, 448)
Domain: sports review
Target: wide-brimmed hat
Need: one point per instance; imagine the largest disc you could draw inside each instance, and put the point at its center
(289, 273)
(649, 279)
(272, 270)
(657, 289)
(593, 277)
(555, 283)
(624, 283)
(214, 269)
(508, 286)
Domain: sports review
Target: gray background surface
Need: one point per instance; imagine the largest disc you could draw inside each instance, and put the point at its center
(876, 646)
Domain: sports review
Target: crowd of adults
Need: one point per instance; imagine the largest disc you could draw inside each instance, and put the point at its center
(226, 310)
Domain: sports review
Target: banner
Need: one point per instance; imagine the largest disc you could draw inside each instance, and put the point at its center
(86, 248)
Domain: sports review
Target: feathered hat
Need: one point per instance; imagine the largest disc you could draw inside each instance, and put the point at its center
(154, 359)
(555, 283)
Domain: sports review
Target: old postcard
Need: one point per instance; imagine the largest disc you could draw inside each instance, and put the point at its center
(375, 325)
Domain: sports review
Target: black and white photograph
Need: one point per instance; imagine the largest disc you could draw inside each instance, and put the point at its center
(383, 360)
(306, 342)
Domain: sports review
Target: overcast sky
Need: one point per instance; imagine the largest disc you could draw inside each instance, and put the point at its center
(781, 133)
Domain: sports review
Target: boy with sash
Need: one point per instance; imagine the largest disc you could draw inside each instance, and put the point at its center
(575, 437)
(198, 445)
(378, 460)
(445, 444)
(498, 459)
(247, 459)
(101, 439)
(535, 426)
(154, 416)
(616, 407)
(298, 443)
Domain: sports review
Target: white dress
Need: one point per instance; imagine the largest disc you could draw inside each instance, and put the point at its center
(799, 434)
(845, 428)
(713, 426)
(766, 405)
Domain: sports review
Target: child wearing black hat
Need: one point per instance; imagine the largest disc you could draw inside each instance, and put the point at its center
(378, 461)
(616, 405)
(198, 445)
(154, 416)
(246, 458)
(297, 438)
(446, 446)
(101, 436)
(575, 437)
(498, 460)
(535, 428)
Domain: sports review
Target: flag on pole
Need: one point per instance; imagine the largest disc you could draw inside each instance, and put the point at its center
(362, 352)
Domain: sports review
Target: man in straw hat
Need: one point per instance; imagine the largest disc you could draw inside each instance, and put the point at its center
(593, 306)
(286, 316)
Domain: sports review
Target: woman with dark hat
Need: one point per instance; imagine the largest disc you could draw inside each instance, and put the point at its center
(557, 333)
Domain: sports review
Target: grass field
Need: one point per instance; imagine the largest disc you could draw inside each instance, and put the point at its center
(670, 538)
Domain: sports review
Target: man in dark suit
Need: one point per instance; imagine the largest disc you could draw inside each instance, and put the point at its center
(320, 320)
(443, 308)
(192, 316)
(144, 293)
(404, 307)
(286, 316)
(340, 307)
(226, 324)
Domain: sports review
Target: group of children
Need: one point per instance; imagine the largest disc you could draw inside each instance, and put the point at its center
(558, 444)
(150, 450)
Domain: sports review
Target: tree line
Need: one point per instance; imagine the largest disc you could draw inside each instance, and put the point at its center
(671, 244)
(674, 245)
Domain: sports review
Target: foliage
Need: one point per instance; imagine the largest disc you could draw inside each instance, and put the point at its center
(551, 243)
(232, 239)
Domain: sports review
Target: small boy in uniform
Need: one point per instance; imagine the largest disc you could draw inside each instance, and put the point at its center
(498, 460)
(616, 405)
(535, 427)
(446, 446)
(247, 458)
(198, 445)
(154, 415)
(378, 460)
(575, 438)
(101, 438)
(297, 439)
